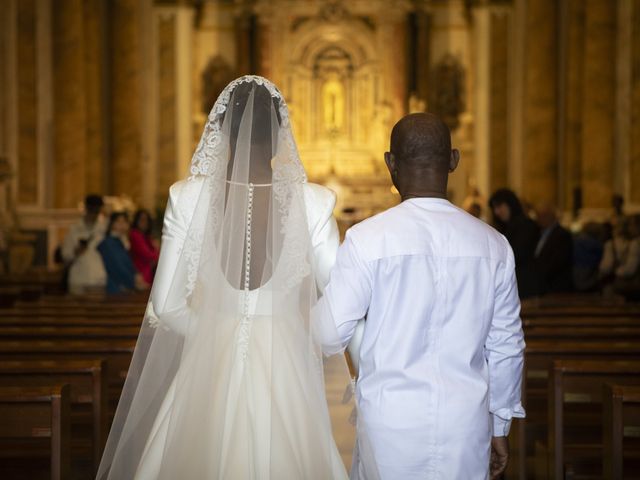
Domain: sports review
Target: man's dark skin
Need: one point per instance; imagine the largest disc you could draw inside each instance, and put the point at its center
(420, 161)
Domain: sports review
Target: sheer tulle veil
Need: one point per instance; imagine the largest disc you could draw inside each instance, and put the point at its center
(227, 378)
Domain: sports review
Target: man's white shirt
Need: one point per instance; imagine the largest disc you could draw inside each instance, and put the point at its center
(442, 351)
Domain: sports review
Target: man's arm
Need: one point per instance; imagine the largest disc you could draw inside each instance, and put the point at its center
(504, 350)
(345, 301)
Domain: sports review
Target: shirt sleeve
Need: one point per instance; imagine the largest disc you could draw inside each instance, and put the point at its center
(345, 301)
(504, 351)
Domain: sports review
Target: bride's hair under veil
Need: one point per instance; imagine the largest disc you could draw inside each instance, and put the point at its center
(227, 379)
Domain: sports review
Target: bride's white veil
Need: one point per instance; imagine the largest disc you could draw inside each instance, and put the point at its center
(227, 380)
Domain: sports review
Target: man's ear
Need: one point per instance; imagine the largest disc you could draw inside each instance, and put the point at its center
(390, 160)
(454, 160)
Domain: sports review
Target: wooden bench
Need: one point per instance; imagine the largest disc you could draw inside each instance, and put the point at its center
(69, 332)
(89, 394)
(621, 425)
(35, 413)
(575, 410)
(86, 312)
(598, 333)
(53, 320)
(117, 352)
(580, 321)
(539, 356)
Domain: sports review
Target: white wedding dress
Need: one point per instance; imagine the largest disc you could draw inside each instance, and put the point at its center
(319, 202)
(227, 378)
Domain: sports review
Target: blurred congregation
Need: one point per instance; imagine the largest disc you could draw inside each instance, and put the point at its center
(116, 252)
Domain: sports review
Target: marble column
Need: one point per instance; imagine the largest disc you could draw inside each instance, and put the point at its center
(166, 140)
(634, 135)
(264, 47)
(94, 31)
(539, 152)
(27, 72)
(126, 98)
(243, 42)
(5, 22)
(70, 148)
(598, 103)
(498, 100)
(572, 86)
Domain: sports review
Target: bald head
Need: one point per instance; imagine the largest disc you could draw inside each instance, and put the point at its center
(421, 156)
(421, 139)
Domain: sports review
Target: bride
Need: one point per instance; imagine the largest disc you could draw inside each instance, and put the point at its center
(227, 380)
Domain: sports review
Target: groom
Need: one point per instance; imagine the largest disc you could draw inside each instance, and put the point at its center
(442, 350)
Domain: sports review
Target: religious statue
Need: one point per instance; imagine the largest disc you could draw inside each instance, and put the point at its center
(333, 103)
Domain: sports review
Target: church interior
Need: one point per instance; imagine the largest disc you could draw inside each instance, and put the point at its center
(102, 103)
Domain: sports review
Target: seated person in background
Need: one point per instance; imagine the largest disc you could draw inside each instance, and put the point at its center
(145, 250)
(615, 259)
(553, 256)
(121, 274)
(627, 280)
(522, 233)
(79, 249)
(588, 246)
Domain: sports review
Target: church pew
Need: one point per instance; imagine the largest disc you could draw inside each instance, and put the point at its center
(129, 299)
(581, 321)
(71, 321)
(616, 310)
(89, 400)
(66, 303)
(90, 312)
(117, 352)
(575, 410)
(29, 415)
(586, 333)
(45, 332)
(621, 430)
(539, 356)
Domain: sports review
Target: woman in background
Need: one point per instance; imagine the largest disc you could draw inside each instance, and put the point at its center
(114, 249)
(144, 250)
(510, 219)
